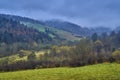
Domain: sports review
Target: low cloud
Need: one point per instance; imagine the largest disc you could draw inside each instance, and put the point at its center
(83, 12)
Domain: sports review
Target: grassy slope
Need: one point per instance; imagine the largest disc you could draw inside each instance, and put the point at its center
(14, 58)
(64, 34)
(104, 71)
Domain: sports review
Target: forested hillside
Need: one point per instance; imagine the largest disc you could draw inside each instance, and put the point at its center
(12, 31)
(60, 25)
(90, 50)
(15, 36)
(58, 34)
(19, 18)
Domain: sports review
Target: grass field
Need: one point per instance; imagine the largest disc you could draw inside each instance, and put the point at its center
(104, 71)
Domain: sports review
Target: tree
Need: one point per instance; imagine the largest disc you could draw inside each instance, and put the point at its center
(106, 42)
(31, 56)
(116, 55)
(98, 47)
(83, 53)
(94, 37)
(112, 34)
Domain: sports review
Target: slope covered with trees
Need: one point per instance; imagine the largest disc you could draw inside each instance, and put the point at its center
(90, 50)
(19, 18)
(12, 31)
(42, 27)
(59, 26)
(15, 36)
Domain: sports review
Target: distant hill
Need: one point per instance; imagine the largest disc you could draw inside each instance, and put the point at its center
(58, 27)
(100, 30)
(76, 29)
(12, 31)
(68, 26)
(19, 18)
(41, 26)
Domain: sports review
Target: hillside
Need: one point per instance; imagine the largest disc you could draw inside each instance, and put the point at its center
(14, 35)
(64, 35)
(57, 24)
(12, 31)
(40, 25)
(68, 26)
(93, 72)
(64, 29)
(19, 18)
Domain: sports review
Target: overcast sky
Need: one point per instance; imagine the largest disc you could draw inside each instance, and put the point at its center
(88, 13)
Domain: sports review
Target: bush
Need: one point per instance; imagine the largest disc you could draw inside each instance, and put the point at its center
(31, 57)
(116, 55)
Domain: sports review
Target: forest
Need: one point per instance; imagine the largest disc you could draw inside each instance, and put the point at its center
(90, 50)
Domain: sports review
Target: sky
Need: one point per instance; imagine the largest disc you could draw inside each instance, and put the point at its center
(87, 13)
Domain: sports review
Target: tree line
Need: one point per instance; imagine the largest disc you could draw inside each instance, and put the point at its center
(90, 50)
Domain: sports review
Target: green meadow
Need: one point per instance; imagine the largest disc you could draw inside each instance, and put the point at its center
(105, 71)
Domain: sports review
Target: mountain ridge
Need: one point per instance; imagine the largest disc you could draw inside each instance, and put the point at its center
(67, 26)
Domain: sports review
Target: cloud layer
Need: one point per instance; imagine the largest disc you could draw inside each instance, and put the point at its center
(84, 12)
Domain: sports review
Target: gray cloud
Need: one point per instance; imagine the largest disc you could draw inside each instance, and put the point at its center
(84, 12)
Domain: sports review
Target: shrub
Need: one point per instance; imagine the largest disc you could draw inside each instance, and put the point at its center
(116, 55)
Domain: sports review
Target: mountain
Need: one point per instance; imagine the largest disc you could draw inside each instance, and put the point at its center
(19, 18)
(12, 31)
(100, 30)
(42, 27)
(76, 29)
(63, 30)
(68, 26)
